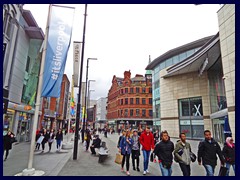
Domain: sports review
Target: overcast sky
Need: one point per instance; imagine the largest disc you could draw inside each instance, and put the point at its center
(123, 36)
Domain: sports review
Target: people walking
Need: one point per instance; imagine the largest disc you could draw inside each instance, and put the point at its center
(229, 154)
(126, 148)
(45, 139)
(96, 144)
(156, 137)
(39, 140)
(207, 151)
(135, 150)
(88, 139)
(50, 137)
(120, 137)
(147, 142)
(8, 139)
(164, 150)
(182, 154)
(59, 139)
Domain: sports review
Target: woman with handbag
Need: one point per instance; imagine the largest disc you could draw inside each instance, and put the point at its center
(135, 150)
(8, 139)
(51, 136)
(229, 154)
(126, 148)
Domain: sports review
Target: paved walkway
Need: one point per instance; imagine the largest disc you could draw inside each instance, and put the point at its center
(62, 164)
(87, 164)
(49, 162)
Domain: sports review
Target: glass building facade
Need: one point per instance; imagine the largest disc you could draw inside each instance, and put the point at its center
(156, 82)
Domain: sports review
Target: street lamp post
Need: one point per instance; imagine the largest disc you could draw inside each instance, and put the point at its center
(85, 100)
(75, 149)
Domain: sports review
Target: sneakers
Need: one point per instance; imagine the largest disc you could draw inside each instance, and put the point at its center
(122, 169)
(144, 172)
(147, 171)
(128, 173)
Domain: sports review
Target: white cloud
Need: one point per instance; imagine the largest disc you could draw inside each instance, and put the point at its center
(123, 36)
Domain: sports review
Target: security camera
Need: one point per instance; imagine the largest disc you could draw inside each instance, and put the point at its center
(224, 77)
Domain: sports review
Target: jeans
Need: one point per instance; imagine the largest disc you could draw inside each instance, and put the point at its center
(59, 143)
(185, 169)
(228, 166)
(165, 171)
(146, 155)
(209, 169)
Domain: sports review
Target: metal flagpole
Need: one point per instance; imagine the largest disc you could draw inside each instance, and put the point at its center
(30, 170)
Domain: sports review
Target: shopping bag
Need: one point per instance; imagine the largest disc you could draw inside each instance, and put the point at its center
(118, 158)
(193, 157)
(152, 157)
(222, 171)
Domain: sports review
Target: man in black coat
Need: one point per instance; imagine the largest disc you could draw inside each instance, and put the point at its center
(164, 150)
(207, 151)
(96, 144)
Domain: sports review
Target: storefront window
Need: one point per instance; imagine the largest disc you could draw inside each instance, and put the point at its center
(191, 117)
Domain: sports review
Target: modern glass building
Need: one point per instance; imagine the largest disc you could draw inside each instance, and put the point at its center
(194, 85)
(166, 60)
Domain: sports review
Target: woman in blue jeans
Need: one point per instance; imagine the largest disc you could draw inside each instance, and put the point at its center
(59, 138)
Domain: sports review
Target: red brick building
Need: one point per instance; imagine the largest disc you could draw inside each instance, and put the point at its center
(130, 101)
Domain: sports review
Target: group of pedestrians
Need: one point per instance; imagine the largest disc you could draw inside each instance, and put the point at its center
(48, 136)
(161, 146)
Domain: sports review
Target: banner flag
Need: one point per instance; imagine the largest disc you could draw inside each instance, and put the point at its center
(76, 59)
(58, 42)
(72, 103)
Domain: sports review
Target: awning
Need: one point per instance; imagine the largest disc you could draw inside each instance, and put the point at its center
(200, 61)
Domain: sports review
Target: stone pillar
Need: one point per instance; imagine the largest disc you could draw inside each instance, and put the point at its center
(15, 122)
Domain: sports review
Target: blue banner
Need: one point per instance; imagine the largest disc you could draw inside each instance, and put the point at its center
(58, 42)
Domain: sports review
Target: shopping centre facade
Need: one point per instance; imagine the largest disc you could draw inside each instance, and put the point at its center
(194, 85)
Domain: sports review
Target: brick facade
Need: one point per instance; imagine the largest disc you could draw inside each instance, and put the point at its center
(130, 99)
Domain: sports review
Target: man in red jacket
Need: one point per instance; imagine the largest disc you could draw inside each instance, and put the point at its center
(147, 142)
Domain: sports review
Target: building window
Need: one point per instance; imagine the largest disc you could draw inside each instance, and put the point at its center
(131, 112)
(121, 101)
(126, 100)
(143, 100)
(126, 112)
(150, 100)
(131, 100)
(131, 90)
(150, 90)
(121, 112)
(137, 101)
(137, 90)
(121, 91)
(143, 90)
(191, 117)
(137, 112)
(150, 113)
(126, 90)
(144, 113)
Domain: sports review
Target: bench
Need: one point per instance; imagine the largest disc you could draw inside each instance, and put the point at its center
(103, 152)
